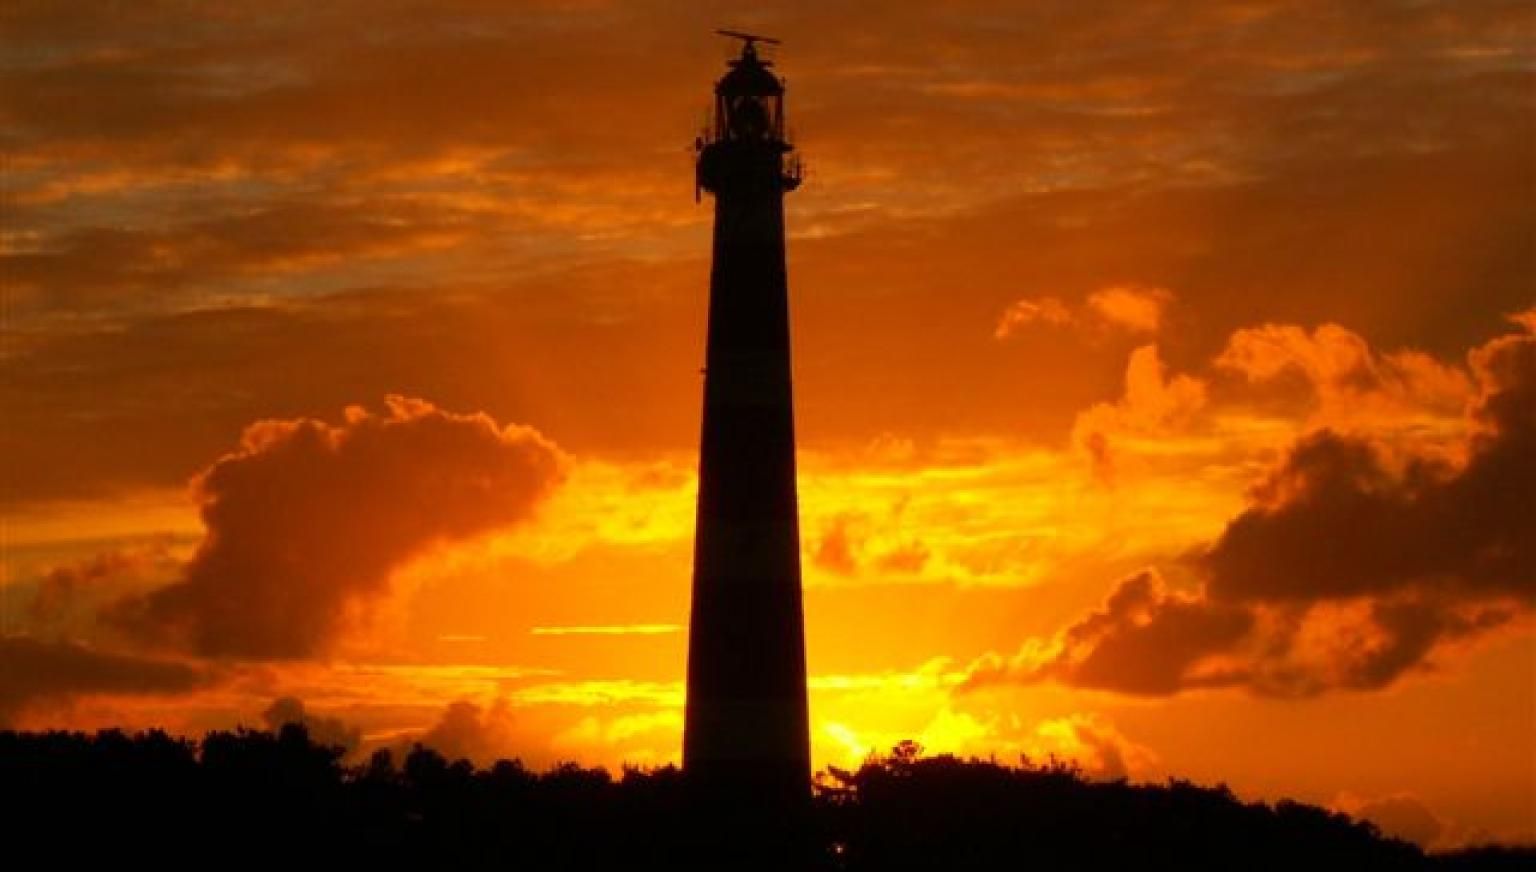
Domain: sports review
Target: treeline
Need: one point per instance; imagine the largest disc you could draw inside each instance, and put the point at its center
(249, 796)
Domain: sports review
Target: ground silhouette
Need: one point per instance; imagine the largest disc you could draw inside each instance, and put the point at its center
(251, 796)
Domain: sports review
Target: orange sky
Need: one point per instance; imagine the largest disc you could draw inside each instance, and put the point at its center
(1165, 377)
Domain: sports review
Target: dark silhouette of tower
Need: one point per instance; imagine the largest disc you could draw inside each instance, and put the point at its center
(746, 745)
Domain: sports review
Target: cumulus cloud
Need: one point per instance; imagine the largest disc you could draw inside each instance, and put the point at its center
(1087, 739)
(1337, 520)
(835, 550)
(1155, 404)
(1148, 640)
(1348, 384)
(1400, 815)
(1096, 745)
(1129, 308)
(306, 521)
(853, 543)
(1136, 308)
(1022, 313)
(1346, 571)
(645, 737)
(1143, 640)
(69, 593)
(325, 730)
(52, 672)
(472, 732)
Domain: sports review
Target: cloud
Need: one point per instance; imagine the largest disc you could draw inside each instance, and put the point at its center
(1143, 640)
(1345, 572)
(70, 593)
(1129, 308)
(1147, 640)
(96, 265)
(853, 542)
(1155, 404)
(324, 730)
(1022, 313)
(1099, 748)
(1136, 308)
(306, 521)
(520, 351)
(52, 672)
(648, 738)
(835, 551)
(59, 585)
(1337, 520)
(472, 732)
(1087, 739)
(1348, 384)
(1400, 815)
(608, 630)
(169, 158)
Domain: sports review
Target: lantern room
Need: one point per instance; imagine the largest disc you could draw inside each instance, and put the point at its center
(743, 146)
(749, 100)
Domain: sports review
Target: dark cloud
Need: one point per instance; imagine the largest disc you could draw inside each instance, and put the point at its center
(59, 587)
(1336, 520)
(52, 672)
(1143, 640)
(1149, 641)
(66, 596)
(1346, 573)
(307, 520)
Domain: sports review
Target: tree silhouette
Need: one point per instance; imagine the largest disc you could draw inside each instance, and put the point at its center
(251, 796)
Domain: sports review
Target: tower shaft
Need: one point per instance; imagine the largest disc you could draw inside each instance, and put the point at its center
(746, 653)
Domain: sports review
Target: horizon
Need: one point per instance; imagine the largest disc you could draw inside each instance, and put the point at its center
(1165, 383)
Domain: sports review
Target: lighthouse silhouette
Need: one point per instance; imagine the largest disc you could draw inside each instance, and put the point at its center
(746, 745)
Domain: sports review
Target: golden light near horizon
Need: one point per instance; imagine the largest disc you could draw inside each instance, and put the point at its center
(1165, 381)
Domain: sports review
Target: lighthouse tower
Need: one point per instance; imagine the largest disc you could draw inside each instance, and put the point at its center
(746, 745)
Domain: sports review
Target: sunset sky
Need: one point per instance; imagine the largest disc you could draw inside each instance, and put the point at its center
(1165, 380)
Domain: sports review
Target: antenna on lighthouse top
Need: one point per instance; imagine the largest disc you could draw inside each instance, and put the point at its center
(749, 37)
(749, 40)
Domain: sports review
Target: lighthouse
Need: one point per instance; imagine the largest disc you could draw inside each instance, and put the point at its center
(746, 744)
